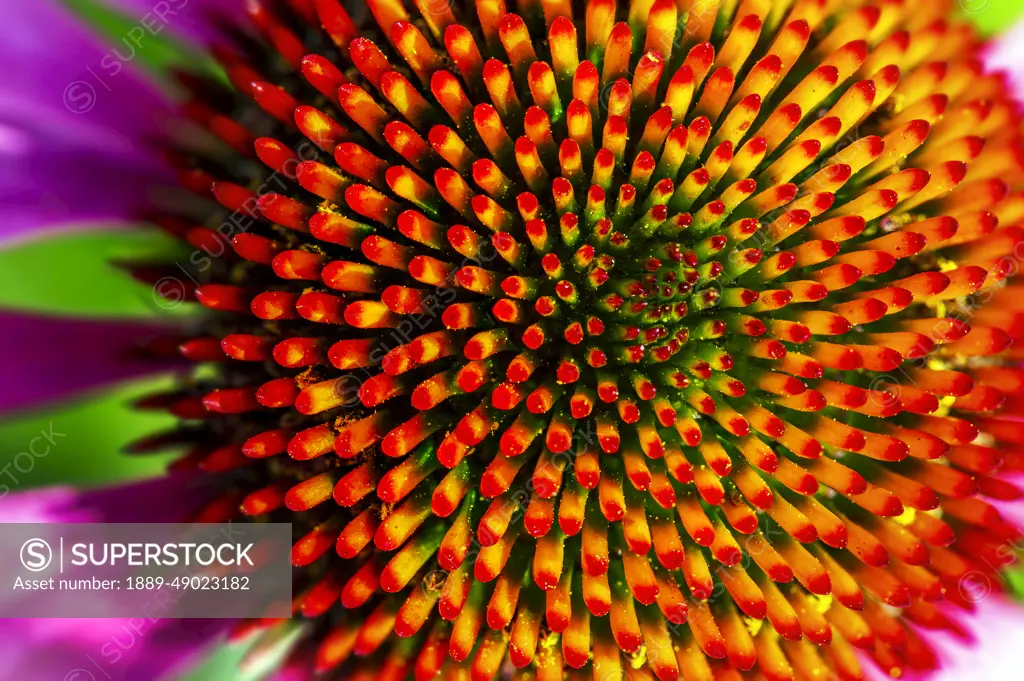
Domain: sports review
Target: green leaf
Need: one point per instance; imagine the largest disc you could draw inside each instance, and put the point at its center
(1015, 581)
(71, 274)
(992, 16)
(82, 442)
(222, 664)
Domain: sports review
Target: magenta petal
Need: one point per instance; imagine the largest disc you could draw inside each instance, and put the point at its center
(113, 649)
(994, 654)
(45, 358)
(165, 499)
(1012, 511)
(1006, 53)
(995, 627)
(300, 669)
(46, 505)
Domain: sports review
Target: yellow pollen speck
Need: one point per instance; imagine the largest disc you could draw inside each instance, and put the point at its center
(821, 603)
(907, 517)
(307, 378)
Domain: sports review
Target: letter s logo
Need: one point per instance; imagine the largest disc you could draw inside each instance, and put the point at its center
(36, 555)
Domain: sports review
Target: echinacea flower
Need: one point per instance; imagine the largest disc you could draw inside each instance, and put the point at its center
(663, 338)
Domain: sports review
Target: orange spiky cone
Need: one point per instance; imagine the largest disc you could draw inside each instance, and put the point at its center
(663, 338)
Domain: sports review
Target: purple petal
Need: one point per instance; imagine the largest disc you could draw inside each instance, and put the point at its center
(167, 499)
(43, 192)
(110, 649)
(192, 19)
(43, 358)
(54, 61)
(72, 136)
